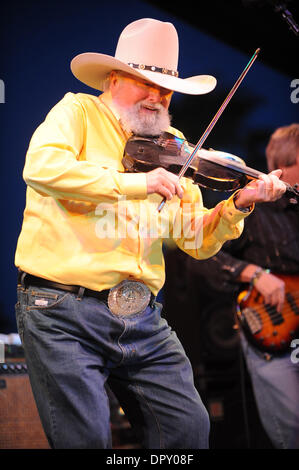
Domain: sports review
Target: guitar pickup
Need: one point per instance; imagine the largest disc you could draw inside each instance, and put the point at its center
(275, 317)
(290, 298)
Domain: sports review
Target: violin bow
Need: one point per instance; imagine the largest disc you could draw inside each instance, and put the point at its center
(213, 122)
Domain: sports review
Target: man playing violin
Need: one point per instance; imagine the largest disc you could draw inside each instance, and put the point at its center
(87, 311)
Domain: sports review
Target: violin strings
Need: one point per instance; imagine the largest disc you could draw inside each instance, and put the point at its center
(170, 144)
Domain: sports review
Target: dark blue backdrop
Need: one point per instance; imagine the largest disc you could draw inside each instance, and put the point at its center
(38, 41)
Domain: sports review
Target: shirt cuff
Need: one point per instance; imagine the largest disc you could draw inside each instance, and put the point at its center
(231, 213)
(133, 185)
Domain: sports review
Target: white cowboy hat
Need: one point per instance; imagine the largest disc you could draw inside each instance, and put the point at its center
(148, 49)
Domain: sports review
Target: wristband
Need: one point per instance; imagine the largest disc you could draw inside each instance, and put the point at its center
(257, 274)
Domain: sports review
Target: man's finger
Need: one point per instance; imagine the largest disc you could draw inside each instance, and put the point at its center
(277, 173)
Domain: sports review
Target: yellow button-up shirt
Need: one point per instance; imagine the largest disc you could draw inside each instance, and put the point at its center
(89, 223)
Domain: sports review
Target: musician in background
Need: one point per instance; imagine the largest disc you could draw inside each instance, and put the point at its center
(268, 247)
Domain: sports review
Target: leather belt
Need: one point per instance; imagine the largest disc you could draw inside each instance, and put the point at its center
(28, 279)
(127, 297)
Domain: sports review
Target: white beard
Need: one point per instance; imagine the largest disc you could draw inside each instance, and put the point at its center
(132, 120)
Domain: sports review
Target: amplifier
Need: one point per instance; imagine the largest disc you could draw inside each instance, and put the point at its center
(20, 426)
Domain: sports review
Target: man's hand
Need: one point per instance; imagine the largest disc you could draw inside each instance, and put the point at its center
(266, 188)
(163, 182)
(268, 285)
(272, 289)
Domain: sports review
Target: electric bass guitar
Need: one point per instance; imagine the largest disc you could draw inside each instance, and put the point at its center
(266, 328)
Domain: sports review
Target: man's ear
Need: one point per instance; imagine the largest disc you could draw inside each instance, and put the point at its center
(114, 80)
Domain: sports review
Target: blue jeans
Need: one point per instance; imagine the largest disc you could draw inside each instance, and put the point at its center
(276, 388)
(73, 347)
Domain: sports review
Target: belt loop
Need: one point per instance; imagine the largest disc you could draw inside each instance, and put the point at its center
(152, 301)
(80, 293)
(21, 279)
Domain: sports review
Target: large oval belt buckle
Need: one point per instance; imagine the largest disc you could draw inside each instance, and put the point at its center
(128, 297)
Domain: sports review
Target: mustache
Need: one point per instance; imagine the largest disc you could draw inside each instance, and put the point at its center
(140, 123)
(146, 104)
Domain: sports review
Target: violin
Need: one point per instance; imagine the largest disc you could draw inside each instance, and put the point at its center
(212, 169)
(208, 168)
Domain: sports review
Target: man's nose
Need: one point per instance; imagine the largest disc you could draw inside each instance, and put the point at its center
(154, 95)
